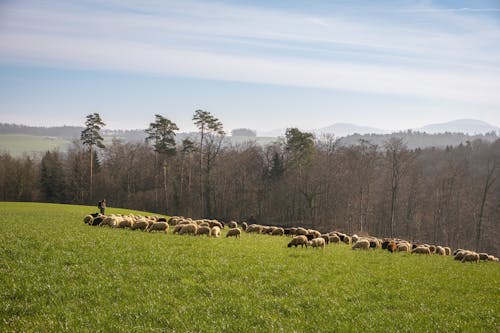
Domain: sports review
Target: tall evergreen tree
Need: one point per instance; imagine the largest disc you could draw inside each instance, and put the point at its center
(91, 137)
(162, 134)
(52, 177)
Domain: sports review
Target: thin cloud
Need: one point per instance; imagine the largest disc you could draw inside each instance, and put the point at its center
(234, 43)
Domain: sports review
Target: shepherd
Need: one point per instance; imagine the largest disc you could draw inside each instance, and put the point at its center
(102, 206)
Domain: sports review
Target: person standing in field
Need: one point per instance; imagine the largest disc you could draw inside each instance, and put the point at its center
(102, 206)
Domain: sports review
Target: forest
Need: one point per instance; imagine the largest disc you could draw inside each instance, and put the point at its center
(448, 196)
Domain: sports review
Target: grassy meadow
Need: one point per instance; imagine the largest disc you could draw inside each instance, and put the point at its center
(57, 274)
(19, 144)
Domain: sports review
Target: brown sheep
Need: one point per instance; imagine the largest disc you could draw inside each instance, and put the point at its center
(298, 240)
(203, 230)
(392, 246)
(471, 257)
(334, 239)
(139, 224)
(233, 224)
(235, 232)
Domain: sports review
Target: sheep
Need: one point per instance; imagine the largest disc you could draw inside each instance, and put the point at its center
(233, 224)
(392, 246)
(459, 254)
(140, 224)
(254, 228)
(215, 232)
(88, 219)
(314, 233)
(97, 220)
(374, 243)
(244, 226)
(215, 223)
(298, 240)
(301, 231)
(483, 256)
(362, 244)
(278, 232)
(334, 239)
(318, 242)
(158, 226)
(189, 229)
(421, 250)
(447, 251)
(125, 223)
(110, 221)
(404, 247)
(354, 238)
(492, 258)
(204, 230)
(326, 238)
(440, 251)
(347, 240)
(234, 232)
(177, 228)
(471, 257)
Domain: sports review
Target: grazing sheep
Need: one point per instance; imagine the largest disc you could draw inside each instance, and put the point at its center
(140, 224)
(162, 219)
(483, 256)
(318, 242)
(374, 243)
(254, 228)
(392, 246)
(298, 240)
(204, 224)
(158, 226)
(492, 258)
(314, 233)
(440, 251)
(471, 257)
(97, 220)
(354, 238)
(177, 228)
(215, 223)
(348, 240)
(432, 248)
(189, 229)
(235, 232)
(447, 251)
(362, 244)
(126, 222)
(233, 224)
(204, 230)
(301, 231)
(215, 232)
(88, 219)
(334, 239)
(459, 254)
(110, 221)
(385, 244)
(278, 232)
(326, 238)
(421, 250)
(244, 226)
(404, 247)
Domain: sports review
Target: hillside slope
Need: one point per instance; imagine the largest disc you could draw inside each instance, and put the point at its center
(58, 274)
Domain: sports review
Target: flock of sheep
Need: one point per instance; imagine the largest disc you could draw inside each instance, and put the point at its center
(300, 236)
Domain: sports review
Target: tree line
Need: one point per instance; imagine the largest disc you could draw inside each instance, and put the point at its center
(447, 196)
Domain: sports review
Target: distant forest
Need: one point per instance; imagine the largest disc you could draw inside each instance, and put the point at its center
(448, 195)
(411, 139)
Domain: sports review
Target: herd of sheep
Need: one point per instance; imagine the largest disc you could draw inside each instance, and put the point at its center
(300, 236)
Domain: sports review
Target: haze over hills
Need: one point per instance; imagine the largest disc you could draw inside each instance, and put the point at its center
(466, 126)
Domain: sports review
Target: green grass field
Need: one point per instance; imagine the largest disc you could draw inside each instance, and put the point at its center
(57, 274)
(19, 144)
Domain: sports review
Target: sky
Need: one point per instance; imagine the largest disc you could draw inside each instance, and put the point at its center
(253, 64)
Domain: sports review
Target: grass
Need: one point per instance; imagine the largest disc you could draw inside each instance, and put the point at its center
(57, 274)
(19, 144)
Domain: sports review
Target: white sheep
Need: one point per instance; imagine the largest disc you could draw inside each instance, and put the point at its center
(278, 232)
(471, 257)
(361, 244)
(421, 250)
(215, 232)
(318, 242)
(158, 226)
(189, 229)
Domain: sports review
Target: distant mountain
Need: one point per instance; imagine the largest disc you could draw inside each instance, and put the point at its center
(467, 126)
(345, 129)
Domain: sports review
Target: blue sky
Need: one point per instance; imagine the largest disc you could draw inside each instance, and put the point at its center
(255, 64)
